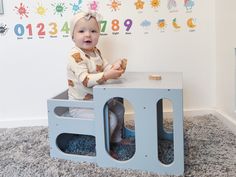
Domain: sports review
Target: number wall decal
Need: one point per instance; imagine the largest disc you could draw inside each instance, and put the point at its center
(52, 29)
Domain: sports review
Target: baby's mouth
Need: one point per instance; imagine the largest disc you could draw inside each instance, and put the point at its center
(88, 42)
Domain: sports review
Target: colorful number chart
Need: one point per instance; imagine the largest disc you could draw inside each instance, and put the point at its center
(40, 19)
(41, 30)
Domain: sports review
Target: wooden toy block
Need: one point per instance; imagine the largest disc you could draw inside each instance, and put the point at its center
(154, 77)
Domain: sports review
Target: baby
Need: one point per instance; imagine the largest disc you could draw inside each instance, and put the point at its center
(87, 68)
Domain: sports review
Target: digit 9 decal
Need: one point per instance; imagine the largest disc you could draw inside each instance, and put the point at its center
(128, 24)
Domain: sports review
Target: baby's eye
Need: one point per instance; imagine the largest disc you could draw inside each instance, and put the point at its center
(81, 31)
(94, 31)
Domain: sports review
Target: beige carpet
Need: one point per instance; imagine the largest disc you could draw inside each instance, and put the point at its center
(210, 150)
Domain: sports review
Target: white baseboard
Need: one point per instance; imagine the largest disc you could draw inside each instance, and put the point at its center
(13, 123)
(227, 120)
(197, 112)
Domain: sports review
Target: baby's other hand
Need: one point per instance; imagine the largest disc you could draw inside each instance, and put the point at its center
(117, 64)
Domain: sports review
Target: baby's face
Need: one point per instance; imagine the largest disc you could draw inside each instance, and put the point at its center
(86, 34)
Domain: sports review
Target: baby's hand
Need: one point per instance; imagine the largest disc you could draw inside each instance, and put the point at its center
(117, 64)
(120, 64)
(113, 73)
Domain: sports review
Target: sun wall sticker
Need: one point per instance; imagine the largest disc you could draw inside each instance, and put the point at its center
(59, 8)
(161, 24)
(22, 10)
(114, 5)
(41, 10)
(155, 3)
(76, 6)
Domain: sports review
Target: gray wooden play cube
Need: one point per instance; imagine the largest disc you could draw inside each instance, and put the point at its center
(146, 96)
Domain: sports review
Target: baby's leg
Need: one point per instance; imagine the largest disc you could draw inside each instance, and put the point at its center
(118, 109)
(113, 123)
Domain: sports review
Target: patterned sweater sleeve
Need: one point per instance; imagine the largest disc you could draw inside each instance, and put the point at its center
(79, 67)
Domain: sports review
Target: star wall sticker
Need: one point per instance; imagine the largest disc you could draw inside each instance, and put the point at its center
(114, 5)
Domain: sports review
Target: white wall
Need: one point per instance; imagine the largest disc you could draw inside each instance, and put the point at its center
(225, 58)
(31, 71)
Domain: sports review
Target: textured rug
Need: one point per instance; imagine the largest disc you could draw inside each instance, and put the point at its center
(210, 150)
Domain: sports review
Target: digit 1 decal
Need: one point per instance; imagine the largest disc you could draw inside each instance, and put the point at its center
(29, 27)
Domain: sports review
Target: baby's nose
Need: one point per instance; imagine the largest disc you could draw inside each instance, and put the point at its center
(88, 33)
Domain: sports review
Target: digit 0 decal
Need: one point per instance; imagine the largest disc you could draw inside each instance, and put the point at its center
(19, 30)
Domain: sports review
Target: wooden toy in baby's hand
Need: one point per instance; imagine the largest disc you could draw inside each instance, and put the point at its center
(123, 64)
(120, 65)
